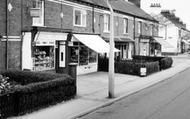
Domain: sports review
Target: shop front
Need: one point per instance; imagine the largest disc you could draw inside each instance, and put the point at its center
(84, 51)
(158, 44)
(144, 47)
(125, 45)
(44, 51)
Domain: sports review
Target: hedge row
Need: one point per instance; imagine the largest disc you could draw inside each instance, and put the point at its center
(26, 77)
(129, 66)
(36, 90)
(164, 62)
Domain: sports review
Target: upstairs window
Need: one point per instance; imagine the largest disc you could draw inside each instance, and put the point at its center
(38, 5)
(79, 17)
(139, 27)
(125, 24)
(106, 23)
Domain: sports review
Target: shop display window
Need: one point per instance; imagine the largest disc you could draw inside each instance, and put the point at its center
(82, 55)
(43, 58)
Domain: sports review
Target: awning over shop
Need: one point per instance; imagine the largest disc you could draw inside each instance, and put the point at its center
(94, 42)
(128, 39)
(117, 39)
(186, 42)
(49, 38)
(162, 42)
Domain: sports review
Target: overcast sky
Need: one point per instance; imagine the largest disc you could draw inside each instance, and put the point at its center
(182, 8)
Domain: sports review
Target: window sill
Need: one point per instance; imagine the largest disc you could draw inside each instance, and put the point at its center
(78, 26)
(125, 33)
(106, 31)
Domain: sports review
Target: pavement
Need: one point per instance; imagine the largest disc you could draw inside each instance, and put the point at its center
(92, 91)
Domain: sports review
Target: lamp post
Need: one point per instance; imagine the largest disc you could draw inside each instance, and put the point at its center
(111, 55)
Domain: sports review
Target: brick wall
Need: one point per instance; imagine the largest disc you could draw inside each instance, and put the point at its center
(3, 17)
(2, 55)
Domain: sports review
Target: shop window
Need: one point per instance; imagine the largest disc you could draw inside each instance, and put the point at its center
(82, 55)
(38, 21)
(92, 56)
(79, 17)
(125, 25)
(106, 22)
(43, 58)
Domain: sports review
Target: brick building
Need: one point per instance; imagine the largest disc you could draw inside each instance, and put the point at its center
(171, 29)
(50, 34)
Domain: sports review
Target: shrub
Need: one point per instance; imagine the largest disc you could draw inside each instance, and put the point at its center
(26, 77)
(39, 89)
(166, 62)
(7, 104)
(147, 58)
(130, 66)
(152, 67)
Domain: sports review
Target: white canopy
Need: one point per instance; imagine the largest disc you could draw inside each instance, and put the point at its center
(94, 42)
(49, 38)
(162, 42)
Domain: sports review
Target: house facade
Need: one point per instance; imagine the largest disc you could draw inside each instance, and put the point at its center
(171, 29)
(50, 34)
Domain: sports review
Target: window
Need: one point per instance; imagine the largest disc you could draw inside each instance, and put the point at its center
(39, 21)
(82, 55)
(125, 24)
(79, 18)
(106, 23)
(139, 27)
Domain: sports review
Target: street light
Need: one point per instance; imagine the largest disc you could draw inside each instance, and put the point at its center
(111, 55)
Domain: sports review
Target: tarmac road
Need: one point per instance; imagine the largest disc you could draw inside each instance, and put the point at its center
(170, 99)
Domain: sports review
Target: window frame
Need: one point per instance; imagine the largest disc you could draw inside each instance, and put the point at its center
(107, 23)
(83, 17)
(139, 27)
(125, 26)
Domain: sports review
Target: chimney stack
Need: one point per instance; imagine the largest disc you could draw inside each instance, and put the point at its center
(136, 2)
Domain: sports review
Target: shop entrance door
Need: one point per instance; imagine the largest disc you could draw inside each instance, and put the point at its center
(60, 54)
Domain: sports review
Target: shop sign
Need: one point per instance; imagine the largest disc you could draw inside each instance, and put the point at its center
(44, 43)
(35, 12)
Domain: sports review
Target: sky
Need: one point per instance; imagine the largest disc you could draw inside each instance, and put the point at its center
(182, 8)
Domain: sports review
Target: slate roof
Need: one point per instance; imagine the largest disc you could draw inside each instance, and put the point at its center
(123, 7)
(173, 19)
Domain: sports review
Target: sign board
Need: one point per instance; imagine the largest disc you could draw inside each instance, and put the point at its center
(35, 12)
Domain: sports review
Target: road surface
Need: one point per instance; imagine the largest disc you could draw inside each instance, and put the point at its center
(169, 99)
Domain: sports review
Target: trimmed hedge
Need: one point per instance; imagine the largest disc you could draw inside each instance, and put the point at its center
(7, 105)
(129, 66)
(38, 89)
(27, 77)
(164, 62)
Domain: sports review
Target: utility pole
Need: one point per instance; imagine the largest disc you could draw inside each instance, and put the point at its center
(111, 54)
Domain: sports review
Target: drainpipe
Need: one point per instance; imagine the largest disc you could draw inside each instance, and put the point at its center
(134, 36)
(21, 34)
(6, 33)
(93, 30)
(111, 54)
